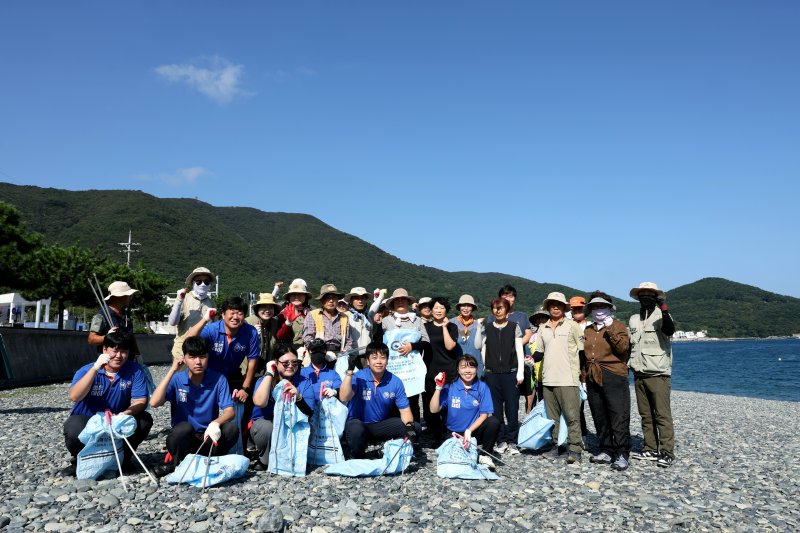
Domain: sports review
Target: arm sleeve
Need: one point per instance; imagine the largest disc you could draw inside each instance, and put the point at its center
(374, 307)
(667, 325)
(175, 314)
(276, 290)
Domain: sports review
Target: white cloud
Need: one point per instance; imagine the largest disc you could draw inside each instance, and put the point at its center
(179, 178)
(214, 76)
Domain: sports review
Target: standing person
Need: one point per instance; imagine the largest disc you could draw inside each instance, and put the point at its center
(537, 319)
(327, 323)
(190, 306)
(425, 309)
(444, 359)
(509, 293)
(264, 319)
(401, 318)
(117, 301)
(578, 313)
(200, 405)
(503, 359)
(469, 330)
(605, 372)
(114, 383)
(285, 367)
(375, 394)
(292, 317)
(360, 322)
(469, 405)
(560, 340)
(651, 362)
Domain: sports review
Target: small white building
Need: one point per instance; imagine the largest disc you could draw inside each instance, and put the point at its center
(14, 309)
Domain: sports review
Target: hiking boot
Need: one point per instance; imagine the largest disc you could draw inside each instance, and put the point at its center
(573, 457)
(647, 455)
(601, 459)
(164, 469)
(513, 450)
(501, 448)
(70, 470)
(561, 450)
(486, 461)
(665, 461)
(258, 466)
(620, 464)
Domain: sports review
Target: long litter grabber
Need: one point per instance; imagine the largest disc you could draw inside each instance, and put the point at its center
(196, 455)
(114, 445)
(399, 449)
(140, 461)
(481, 449)
(208, 464)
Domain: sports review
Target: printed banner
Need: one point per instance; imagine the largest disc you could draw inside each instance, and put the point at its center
(409, 368)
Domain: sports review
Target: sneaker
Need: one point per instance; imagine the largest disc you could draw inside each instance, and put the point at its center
(513, 450)
(561, 450)
(486, 461)
(665, 461)
(70, 470)
(620, 464)
(164, 469)
(647, 455)
(600, 459)
(573, 457)
(501, 448)
(258, 466)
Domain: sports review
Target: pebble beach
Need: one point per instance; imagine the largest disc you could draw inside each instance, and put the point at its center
(736, 470)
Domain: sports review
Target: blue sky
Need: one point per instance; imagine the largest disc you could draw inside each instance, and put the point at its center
(595, 144)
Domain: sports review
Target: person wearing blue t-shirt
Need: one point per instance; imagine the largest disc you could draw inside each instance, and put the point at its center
(285, 367)
(375, 396)
(323, 379)
(113, 383)
(200, 405)
(468, 403)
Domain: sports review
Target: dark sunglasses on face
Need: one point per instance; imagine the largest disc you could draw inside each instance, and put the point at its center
(289, 364)
(205, 282)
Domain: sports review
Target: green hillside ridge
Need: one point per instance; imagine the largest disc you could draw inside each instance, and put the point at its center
(250, 249)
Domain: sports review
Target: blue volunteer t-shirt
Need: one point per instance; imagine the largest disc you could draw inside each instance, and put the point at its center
(374, 404)
(129, 384)
(463, 405)
(226, 358)
(326, 379)
(268, 411)
(199, 405)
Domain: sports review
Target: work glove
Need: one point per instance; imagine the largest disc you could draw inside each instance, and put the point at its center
(467, 438)
(102, 360)
(351, 362)
(213, 432)
(520, 375)
(329, 392)
(210, 314)
(607, 321)
(662, 302)
(439, 380)
(181, 294)
(272, 368)
(330, 356)
(410, 433)
(291, 313)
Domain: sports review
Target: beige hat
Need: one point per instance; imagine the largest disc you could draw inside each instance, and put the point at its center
(197, 272)
(646, 285)
(424, 300)
(264, 299)
(119, 288)
(466, 299)
(597, 300)
(329, 288)
(297, 286)
(399, 293)
(355, 291)
(555, 297)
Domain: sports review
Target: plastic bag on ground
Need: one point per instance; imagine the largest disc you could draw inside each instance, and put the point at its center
(288, 453)
(327, 426)
(454, 462)
(220, 469)
(98, 454)
(396, 450)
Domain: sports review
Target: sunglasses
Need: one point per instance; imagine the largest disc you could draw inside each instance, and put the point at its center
(289, 364)
(206, 282)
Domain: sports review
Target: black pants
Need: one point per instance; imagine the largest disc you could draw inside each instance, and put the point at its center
(505, 399)
(357, 433)
(183, 440)
(75, 424)
(413, 404)
(434, 421)
(611, 410)
(486, 434)
(235, 382)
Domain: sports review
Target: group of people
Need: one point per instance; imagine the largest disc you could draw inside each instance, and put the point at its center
(476, 370)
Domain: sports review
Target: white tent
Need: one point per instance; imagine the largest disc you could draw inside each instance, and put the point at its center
(14, 309)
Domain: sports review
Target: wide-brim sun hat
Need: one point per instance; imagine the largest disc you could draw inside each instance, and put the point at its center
(297, 286)
(355, 291)
(646, 285)
(399, 293)
(466, 299)
(597, 300)
(265, 299)
(425, 300)
(199, 271)
(539, 312)
(119, 288)
(329, 289)
(555, 297)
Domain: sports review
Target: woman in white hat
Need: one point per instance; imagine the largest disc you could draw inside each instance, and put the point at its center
(265, 320)
(191, 303)
(293, 316)
(469, 330)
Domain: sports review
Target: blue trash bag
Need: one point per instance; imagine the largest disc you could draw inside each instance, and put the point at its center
(98, 454)
(454, 462)
(536, 430)
(288, 453)
(220, 469)
(397, 455)
(327, 426)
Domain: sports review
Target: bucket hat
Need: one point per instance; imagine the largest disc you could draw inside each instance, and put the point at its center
(297, 286)
(119, 288)
(199, 271)
(466, 299)
(597, 300)
(646, 285)
(555, 297)
(328, 289)
(355, 291)
(539, 312)
(399, 293)
(425, 300)
(264, 299)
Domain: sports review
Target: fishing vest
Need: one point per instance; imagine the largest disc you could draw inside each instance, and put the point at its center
(651, 349)
(319, 325)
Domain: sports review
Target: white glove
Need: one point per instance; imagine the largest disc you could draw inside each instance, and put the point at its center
(583, 387)
(607, 321)
(382, 294)
(210, 314)
(102, 360)
(329, 393)
(520, 375)
(330, 356)
(213, 432)
(467, 438)
(181, 294)
(302, 352)
(272, 368)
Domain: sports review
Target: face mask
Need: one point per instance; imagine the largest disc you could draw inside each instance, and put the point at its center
(201, 291)
(318, 358)
(648, 302)
(599, 315)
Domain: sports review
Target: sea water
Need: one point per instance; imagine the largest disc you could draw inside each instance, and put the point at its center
(759, 368)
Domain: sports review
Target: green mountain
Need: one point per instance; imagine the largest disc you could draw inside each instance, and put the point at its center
(249, 249)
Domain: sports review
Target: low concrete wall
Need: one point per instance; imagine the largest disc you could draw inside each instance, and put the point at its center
(46, 355)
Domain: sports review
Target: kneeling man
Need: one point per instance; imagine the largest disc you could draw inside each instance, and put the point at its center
(375, 394)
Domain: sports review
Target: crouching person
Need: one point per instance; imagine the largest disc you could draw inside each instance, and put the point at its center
(469, 406)
(375, 395)
(285, 366)
(200, 405)
(113, 383)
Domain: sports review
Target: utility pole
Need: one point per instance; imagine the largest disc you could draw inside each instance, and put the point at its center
(127, 247)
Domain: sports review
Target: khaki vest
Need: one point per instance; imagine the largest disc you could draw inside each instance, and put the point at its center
(651, 349)
(319, 326)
